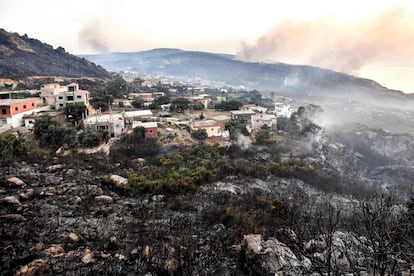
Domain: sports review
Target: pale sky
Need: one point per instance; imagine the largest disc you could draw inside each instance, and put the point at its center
(367, 38)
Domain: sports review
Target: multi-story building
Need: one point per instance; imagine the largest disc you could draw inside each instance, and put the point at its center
(13, 110)
(243, 116)
(59, 96)
(73, 95)
(260, 120)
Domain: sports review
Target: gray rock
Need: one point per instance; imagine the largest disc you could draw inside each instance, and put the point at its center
(104, 199)
(27, 194)
(88, 257)
(119, 181)
(12, 200)
(70, 172)
(269, 257)
(16, 181)
(13, 217)
(55, 168)
(55, 250)
(36, 267)
(74, 237)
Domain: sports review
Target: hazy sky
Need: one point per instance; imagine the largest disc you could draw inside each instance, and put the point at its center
(372, 39)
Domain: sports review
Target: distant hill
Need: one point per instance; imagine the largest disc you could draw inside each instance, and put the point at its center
(21, 56)
(221, 68)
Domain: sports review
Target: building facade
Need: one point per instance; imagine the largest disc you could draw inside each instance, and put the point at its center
(13, 110)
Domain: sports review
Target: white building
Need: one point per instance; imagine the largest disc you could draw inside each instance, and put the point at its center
(113, 123)
(260, 120)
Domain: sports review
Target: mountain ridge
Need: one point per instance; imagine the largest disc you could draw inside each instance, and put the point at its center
(21, 56)
(227, 69)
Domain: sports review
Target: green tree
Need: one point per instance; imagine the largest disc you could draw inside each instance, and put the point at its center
(117, 87)
(162, 100)
(93, 138)
(138, 103)
(236, 127)
(199, 134)
(180, 105)
(263, 135)
(76, 112)
(14, 148)
(50, 133)
(228, 105)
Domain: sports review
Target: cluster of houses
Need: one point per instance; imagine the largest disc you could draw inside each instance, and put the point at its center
(53, 98)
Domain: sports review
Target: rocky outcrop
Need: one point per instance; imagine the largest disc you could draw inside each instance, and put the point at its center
(264, 257)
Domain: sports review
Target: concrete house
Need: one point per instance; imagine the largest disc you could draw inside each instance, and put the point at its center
(113, 123)
(151, 129)
(13, 110)
(260, 120)
(30, 119)
(243, 116)
(213, 128)
(73, 95)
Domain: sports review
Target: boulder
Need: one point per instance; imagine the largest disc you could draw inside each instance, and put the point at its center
(36, 267)
(74, 237)
(116, 180)
(104, 199)
(12, 200)
(27, 194)
(88, 257)
(268, 257)
(16, 181)
(55, 250)
(55, 168)
(70, 172)
(13, 217)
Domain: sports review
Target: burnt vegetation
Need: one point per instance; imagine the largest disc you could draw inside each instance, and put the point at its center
(189, 210)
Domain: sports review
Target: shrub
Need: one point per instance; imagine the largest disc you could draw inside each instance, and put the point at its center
(16, 148)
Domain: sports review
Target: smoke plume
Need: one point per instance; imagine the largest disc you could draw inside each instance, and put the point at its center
(93, 36)
(345, 47)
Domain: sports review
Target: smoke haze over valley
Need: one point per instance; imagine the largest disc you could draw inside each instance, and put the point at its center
(352, 37)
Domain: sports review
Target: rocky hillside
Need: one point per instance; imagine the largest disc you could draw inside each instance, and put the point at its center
(315, 203)
(21, 56)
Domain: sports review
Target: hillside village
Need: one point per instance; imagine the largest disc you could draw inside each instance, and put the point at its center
(163, 108)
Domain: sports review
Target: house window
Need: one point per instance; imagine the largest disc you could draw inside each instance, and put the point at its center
(24, 106)
(16, 108)
(30, 122)
(70, 98)
(71, 88)
(3, 111)
(78, 97)
(150, 132)
(60, 97)
(4, 122)
(32, 104)
(61, 105)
